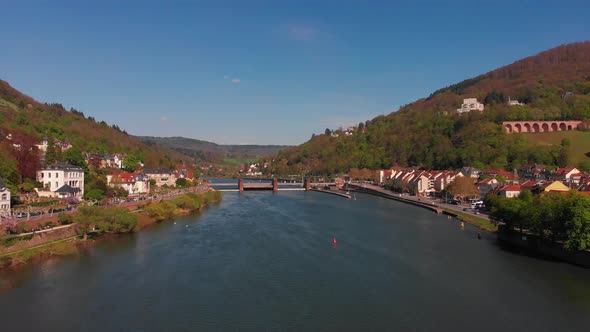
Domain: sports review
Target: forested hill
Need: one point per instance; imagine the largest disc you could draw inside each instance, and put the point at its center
(429, 133)
(212, 152)
(27, 122)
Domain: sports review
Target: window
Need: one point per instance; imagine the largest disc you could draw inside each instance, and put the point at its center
(56, 175)
(49, 175)
(56, 185)
(4, 197)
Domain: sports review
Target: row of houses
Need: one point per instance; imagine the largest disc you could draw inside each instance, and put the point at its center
(535, 178)
(420, 182)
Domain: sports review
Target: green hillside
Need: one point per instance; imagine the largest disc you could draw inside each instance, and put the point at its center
(579, 149)
(428, 133)
(24, 122)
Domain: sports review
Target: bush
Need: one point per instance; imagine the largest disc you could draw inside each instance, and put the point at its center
(64, 219)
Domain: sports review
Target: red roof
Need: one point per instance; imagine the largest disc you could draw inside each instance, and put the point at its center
(512, 187)
(564, 170)
(529, 184)
(487, 181)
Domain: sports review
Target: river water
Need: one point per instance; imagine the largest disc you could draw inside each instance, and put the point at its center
(262, 261)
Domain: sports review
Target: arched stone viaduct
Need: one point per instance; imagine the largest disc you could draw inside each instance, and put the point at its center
(539, 126)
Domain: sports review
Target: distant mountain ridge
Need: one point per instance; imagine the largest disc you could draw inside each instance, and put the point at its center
(205, 149)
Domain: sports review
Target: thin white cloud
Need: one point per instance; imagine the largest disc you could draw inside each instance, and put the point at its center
(234, 80)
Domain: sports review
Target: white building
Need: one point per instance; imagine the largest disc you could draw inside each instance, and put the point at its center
(470, 104)
(62, 180)
(162, 176)
(133, 183)
(4, 200)
(514, 102)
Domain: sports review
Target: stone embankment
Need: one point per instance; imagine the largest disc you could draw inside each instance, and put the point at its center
(479, 220)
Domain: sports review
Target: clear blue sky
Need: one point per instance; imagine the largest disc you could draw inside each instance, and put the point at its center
(264, 72)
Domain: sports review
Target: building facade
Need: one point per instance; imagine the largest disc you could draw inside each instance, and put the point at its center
(62, 179)
(133, 183)
(470, 104)
(162, 177)
(4, 200)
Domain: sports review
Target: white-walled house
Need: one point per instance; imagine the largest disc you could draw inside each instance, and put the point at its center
(470, 104)
(133, 183)
(62, 180)
(510, 191)
(4, 200)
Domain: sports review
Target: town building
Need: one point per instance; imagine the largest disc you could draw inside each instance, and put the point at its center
(162, 176)
(470, 104)
(61, 180)
(565, 174)
(105, 160)
(470, 172)
(133, 183)
(514, 102)
(510, 191)
(62, 145)
(4, 200)
(487, 185)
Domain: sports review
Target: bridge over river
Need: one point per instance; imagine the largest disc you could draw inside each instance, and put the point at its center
(273, 184)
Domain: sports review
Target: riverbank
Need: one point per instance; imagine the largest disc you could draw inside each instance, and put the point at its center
(483, 223)
(65, 241)
(332, 193)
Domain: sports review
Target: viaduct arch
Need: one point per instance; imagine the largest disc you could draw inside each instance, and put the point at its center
(539, 126)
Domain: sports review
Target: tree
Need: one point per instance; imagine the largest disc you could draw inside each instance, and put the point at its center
(74, 157)
(577, 222)
(181, 183)
(116, 191)
(130, 163)
(463, 186)
(9, 225)
(327, 132)
(94, 194)
(53, 153)
(86, 218)
(8, 168)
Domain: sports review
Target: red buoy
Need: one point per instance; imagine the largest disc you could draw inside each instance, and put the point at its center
(334, 241)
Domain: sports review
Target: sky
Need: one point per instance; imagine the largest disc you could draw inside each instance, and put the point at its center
(264, 72)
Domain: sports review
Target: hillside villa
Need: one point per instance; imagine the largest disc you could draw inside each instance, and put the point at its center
(470, 104)
(105, 160)
(61, 180)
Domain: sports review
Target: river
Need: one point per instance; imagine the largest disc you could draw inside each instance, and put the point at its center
(263, 261)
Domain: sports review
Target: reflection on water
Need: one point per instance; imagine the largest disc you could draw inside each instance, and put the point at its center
(262, 261)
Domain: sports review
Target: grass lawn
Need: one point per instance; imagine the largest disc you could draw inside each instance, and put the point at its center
(580, 143)
(473, 220)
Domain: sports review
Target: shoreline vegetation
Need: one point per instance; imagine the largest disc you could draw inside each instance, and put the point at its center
(91, 224)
